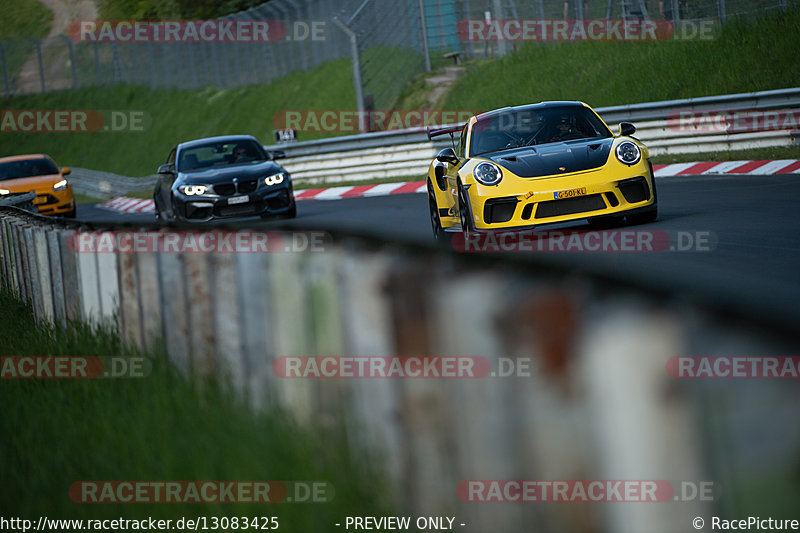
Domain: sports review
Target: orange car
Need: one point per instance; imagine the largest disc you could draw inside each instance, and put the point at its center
(37, 172)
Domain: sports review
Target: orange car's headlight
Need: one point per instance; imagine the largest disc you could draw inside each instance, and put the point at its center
(61, 185)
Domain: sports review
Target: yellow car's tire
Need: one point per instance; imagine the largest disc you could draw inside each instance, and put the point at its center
(436, 221)
(464, 210)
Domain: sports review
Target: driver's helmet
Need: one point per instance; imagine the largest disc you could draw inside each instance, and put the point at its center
(564, 121)
(240, 149)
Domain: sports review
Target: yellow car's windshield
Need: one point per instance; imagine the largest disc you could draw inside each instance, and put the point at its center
(517, 128)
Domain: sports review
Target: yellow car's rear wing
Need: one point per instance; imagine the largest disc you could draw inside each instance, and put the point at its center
(443, 131)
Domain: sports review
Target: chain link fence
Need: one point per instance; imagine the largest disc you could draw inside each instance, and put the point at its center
(388, 43)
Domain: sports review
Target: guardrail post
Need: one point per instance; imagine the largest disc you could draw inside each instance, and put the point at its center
(89, 284)
(150, 297)
(722, 11)
(130, 325)
(203, 341)
(227, 319)
(633, 404)
(291, 319)
(32, 272)
(5, 257)
(257, 325)
(43, 267)
(175, 314)
(56, 276)
(23, 283)
(69, 273)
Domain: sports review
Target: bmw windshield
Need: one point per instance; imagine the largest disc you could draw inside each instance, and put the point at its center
(517, 128)
(221, 153)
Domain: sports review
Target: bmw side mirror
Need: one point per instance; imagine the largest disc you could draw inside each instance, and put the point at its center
(278, 154)
(448, 155)
(626, 129)
(169, 168)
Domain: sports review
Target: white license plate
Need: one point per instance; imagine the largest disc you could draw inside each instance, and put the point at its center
(238, 200)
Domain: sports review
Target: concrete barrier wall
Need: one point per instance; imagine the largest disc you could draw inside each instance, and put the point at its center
(596, 403)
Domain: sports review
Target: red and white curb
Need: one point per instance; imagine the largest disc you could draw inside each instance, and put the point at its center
(123, 204)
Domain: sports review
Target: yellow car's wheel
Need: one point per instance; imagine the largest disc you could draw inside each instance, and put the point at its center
(436, 221)
(464, 211)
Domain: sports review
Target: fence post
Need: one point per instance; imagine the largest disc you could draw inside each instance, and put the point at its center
(5, 69)
(71, 61)
(721, 9)
(424, 24)
(357, 83)
(97, 64)
(38, 46)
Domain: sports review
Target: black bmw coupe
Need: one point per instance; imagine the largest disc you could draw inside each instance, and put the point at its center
(221, 178)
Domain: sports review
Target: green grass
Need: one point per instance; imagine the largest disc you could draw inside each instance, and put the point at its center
(158, 428)
(603, 73)
(172, 116)
(24, 18)
(746, 56)
(21, 20)
(86, 199)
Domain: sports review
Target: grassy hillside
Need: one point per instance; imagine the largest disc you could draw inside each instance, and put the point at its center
(745, 56)
(24, 18)
(173, 116)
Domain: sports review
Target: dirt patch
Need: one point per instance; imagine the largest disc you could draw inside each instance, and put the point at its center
(54, 50)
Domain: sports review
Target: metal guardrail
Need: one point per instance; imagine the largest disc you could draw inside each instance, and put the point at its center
(22, 201)
(593, 354)
(409, 152)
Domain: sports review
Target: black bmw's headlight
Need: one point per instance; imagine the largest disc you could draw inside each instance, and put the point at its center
(275, 179)
(487, 173)
(194, 190)
(628, 153)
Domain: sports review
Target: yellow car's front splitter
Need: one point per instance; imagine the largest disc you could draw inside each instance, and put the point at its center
(523, 203)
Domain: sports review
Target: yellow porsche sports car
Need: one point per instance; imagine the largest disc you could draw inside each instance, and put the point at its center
(37, 172)
(520, 167)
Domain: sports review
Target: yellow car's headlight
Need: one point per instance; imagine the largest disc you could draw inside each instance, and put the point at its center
(487, 173)
(628, 153)
(60, 186)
